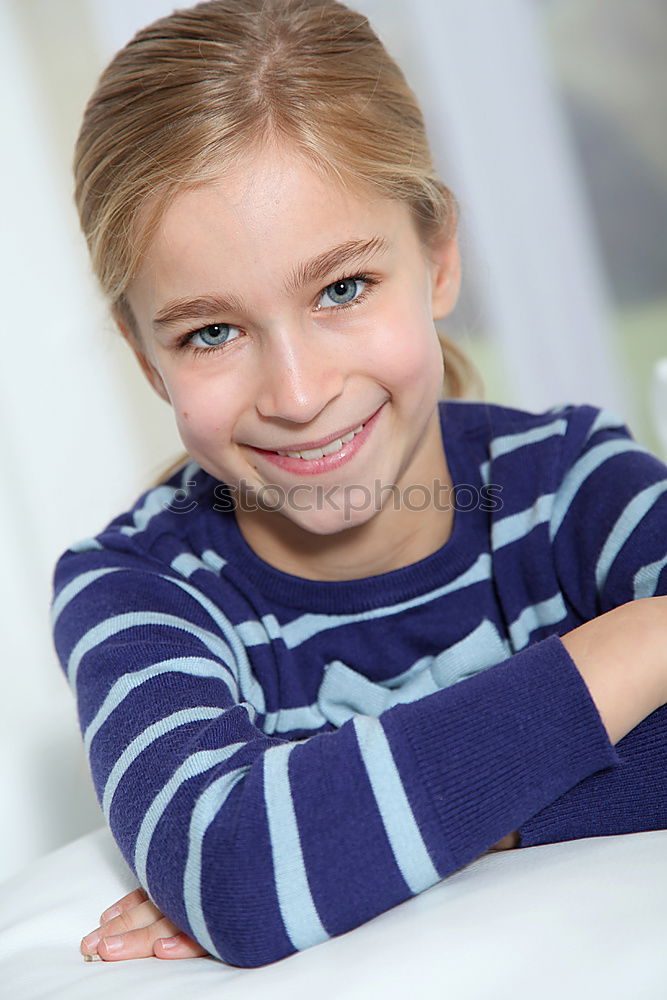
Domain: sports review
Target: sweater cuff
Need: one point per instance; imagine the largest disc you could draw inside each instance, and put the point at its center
(630, 798)
(495, 749)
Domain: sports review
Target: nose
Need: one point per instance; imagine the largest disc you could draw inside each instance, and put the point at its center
(298, 377)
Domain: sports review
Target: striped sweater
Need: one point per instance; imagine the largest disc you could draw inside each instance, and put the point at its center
(280, 760)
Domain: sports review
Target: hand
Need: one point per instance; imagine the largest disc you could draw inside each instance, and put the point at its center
(507, 843)
(622, 658)
(134, 928)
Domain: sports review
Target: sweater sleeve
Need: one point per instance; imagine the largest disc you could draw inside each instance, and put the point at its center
(257, 846)
(610, 542)
(626, 799)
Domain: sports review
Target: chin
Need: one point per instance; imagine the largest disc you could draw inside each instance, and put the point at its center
(324, 523)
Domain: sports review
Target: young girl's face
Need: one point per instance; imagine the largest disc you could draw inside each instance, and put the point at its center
(279, 312)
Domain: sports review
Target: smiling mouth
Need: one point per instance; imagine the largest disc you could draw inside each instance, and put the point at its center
(329, 449)
(323, 456)
(312, 450)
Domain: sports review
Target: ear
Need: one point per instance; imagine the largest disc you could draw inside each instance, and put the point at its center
(446, 275)
(147, 367)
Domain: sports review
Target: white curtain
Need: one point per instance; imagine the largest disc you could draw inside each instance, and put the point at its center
(81, 433)
(75, 448)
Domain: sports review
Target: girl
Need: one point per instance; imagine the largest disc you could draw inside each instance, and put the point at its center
(363, 634)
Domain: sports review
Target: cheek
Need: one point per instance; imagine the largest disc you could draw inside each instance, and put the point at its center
(410, 352)
(200, 408)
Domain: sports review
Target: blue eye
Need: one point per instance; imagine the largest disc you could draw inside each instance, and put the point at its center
(217, 332)
(342, 292)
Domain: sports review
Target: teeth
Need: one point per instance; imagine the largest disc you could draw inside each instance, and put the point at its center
(329, 449)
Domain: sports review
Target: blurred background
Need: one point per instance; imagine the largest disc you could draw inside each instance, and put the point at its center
(547, 118)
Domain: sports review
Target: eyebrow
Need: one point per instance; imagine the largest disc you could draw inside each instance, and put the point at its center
(317, 269)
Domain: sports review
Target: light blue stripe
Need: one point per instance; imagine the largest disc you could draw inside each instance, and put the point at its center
(579, 473)
(208, 806)
(507, 443)
(155, 503)
(512, 442)
(548, 612)
(630, 517)
(407, 844)
(144, 740)
(214, 561)
(515, 526)
(482, 648)
(158, 500)
(75, 587)
(301, 629)
(259, 633)
(133, 619)
(248, 683)
(85, 545)
(606, 421)
(344, 693)
(302, 922)
(194, 666)
(197, 763)
(189, 470)
(187, 563)
(306, 717)
(646, 579)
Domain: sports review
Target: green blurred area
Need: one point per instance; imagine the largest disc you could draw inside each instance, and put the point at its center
(640, 340)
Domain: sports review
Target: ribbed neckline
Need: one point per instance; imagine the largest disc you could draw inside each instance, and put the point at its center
(368, 593)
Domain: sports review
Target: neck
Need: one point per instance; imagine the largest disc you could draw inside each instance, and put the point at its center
(353, 553)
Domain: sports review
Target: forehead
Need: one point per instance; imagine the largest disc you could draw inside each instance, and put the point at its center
(278, 199)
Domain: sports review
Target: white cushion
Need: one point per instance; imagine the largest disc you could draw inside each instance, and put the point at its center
(583, 919)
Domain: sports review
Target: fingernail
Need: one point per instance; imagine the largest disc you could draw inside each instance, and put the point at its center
(168, 943)
(113, 911)
(91, 941)
(114, 943)
(92, 958)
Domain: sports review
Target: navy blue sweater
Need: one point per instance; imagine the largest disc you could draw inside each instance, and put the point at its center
(280, 759)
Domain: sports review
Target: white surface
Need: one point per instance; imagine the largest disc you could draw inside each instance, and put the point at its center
(581, 920)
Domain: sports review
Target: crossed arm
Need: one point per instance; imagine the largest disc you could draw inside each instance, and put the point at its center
(602, 649)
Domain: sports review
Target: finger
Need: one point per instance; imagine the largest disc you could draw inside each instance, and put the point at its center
(179, 946)
(127, 902)
(139, 916)
(129, 920)
(137, 943)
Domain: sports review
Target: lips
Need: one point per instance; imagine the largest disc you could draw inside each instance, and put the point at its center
(322, 443)
(307, 454)
(327, 455)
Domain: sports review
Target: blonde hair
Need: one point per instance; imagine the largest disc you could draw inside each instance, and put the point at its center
(206, 86)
